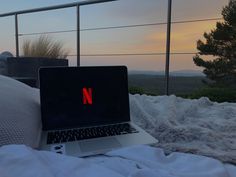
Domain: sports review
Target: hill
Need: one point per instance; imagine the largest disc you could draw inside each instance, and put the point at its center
(156, 84)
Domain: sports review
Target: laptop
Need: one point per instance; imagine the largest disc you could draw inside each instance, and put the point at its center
(85, 111)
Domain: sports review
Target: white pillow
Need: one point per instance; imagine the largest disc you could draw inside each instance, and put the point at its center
(20, 118)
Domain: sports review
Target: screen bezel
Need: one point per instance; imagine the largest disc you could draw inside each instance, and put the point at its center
(45, 71)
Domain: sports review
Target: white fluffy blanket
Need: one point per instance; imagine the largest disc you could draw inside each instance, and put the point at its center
(137, 161)
(195, 126)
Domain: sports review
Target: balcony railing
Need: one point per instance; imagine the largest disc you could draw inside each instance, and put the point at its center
(78, 29)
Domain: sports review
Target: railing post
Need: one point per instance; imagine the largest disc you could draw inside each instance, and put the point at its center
(16, 35)
(78, 35)
(168, 35)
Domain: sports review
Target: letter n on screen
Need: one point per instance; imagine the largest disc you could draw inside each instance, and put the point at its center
(87, 96)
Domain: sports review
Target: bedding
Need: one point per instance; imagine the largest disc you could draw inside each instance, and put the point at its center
(20, 119)
(195, 126)
(136, 161)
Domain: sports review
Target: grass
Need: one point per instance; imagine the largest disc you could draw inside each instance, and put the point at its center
(44, 46)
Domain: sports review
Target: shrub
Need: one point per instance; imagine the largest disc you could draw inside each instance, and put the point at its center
(44, 46)
(136, 90)
(218, 94)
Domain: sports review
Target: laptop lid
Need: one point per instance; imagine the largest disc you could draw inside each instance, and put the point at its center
(73, 97)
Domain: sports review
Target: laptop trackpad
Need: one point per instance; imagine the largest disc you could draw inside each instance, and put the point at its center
(99, 144)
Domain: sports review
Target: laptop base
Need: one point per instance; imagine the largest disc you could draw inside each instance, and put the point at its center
(97, 146)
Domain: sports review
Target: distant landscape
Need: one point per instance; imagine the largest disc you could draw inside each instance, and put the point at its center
(181, 82)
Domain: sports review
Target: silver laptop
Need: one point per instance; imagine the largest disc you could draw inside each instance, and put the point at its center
(85, 111)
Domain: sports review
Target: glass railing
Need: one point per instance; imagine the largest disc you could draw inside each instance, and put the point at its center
(116, 34)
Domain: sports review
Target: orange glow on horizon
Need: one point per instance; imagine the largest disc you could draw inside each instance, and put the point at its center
(183, 36)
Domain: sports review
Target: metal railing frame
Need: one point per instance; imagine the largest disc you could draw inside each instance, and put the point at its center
(89, 2)
(168, 38)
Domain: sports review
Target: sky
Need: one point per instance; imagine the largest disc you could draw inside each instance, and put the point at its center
(149, 39)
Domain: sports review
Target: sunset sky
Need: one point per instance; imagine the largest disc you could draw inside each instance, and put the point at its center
(149, 39)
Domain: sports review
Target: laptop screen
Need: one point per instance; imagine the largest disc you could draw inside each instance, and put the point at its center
(73, 97)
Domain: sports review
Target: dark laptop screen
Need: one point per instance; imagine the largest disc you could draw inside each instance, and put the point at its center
(83, 96)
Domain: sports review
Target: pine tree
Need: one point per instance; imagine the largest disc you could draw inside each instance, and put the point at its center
(221, 44)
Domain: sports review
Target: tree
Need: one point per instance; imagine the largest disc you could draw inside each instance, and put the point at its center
(44, 46)
(221, 44)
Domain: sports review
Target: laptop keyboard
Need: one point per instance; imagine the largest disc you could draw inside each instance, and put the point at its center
(88, 133)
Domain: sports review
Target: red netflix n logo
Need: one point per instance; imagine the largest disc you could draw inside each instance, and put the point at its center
(87, 96)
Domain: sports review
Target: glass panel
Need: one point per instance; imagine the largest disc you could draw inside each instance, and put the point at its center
(187, 79)
(7, 35)
(146, 72)
(144, 38)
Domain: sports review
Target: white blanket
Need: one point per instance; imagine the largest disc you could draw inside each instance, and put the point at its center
(137, 161)
(194, 126)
